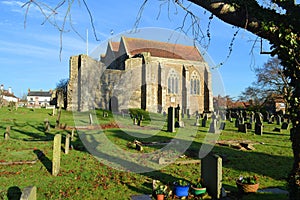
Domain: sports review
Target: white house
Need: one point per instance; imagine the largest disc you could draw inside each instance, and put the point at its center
(39, 98)
(8, 95)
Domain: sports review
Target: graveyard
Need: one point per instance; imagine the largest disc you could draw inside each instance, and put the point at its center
(32, 139)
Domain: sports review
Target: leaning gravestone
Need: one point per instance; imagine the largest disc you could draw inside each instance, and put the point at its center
(222, 126)
(211, 173)
(29, 193)
(171, 119)
(56, 154)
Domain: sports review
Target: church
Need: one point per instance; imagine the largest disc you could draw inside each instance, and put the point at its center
(139, 73)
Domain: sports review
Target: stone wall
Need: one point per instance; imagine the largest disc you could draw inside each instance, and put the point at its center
(140, 82)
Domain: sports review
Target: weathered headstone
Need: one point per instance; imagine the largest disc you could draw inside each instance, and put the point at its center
(171, 119)
(58, 118)
(47, 125)
(222, 126)
(197, 121)
(53, 111)
(249, 125)
(213, 126)
(72, 134)
(67, 143)
(211, 173)
(242, 128)
(56, 154)
(258, 129)
(278, 119)
(285, 126)
(7, 133)
(29, 193)
(91, 118)
(203, 122)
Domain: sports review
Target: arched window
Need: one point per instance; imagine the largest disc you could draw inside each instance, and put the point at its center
(195, 83)
(173, 82)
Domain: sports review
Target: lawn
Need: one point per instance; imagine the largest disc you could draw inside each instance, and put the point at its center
(84, 176)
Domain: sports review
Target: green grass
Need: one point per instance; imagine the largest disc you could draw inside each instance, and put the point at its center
(82, 176)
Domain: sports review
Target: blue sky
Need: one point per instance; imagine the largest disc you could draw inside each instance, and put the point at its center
(30, 58)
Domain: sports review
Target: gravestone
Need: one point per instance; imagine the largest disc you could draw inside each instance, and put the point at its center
(285, 126)
(56, 154)
(29, 193)
(242, 128)
(251, 119)
(53, 111)
(72, 135)
(222, 126)
(197, 121)
(237, 122)
(58, 118)
(211, 173)
(249, 125)
(91, 118)
(47, 125)
(171, 119)
(213, 126)
(278, 119)
(105, 114)
(7, 133)
(258, 129)
(203, 122)
(67, 144)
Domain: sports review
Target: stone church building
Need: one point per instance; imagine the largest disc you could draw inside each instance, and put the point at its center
(139, 73)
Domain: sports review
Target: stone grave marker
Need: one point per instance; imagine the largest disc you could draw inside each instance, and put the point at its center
(56, 154)
(91, 118)
(211, 173)
(67, 143)
(242, 128)
(285, 126)
(258, 129)
(72, 134)
(222, 126)
(29, 193)
(47, 125)
(171, 119)
(7, 133)
(278, 119)
(197, 121)
(248, 125)
(213, 126)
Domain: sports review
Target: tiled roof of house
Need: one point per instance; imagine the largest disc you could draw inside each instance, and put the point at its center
(40, 93)
(8, 94)
(162, 49)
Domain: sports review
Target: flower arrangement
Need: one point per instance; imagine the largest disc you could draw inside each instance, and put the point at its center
(247, 184)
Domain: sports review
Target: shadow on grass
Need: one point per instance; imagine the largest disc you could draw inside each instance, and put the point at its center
(44, 160)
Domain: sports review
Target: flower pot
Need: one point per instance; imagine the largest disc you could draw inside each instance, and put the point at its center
(247, 188)
(198, 191)
(181, 191)
(160, 196)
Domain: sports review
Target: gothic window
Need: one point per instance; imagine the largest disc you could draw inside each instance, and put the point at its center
(173, 82)
(195, 83)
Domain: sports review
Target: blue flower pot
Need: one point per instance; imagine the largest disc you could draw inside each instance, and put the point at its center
(181, 191)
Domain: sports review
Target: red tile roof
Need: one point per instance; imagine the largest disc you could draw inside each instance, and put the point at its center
(115, 46)
(162, 49)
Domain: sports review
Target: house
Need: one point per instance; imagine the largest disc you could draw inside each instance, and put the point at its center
(39, 98)
(8, 95)
(139, 73)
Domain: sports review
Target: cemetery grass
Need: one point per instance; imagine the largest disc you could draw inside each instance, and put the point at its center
(82, 176)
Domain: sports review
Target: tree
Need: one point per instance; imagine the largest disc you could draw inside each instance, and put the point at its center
(270, 81)
(277, 21)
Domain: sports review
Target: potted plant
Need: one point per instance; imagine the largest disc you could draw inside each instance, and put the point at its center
(197, 188)
(181, 188)
(160, 191)
(247, 184)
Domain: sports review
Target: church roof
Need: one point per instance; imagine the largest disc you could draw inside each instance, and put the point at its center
(161, 49)
(115, 46)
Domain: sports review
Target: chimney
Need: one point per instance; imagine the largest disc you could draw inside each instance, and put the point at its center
(1, 87)
(28, 90)
(9, 90)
